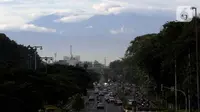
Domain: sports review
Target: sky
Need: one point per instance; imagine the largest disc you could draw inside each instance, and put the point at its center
(95, 28)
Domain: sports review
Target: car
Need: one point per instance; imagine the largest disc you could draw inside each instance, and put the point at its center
(118, 102)
(98, 99)
(111, 100)
(130, 101)
(91, 98)
(106, 98)
(100, 105)
(101, 94)
(128, 109)
(105, 92)
(111, 94)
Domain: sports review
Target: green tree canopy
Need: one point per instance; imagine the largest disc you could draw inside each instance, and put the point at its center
(27, 90)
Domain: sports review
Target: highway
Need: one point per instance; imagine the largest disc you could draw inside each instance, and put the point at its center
(108, 107)
(113, 108)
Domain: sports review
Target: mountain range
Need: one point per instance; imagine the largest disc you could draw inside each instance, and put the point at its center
(94, 38)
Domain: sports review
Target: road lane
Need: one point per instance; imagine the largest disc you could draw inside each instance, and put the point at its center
(110, 107)
(91, 107)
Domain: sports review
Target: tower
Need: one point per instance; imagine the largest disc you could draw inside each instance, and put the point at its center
(71, 51)
(55, 55)
(105, 61)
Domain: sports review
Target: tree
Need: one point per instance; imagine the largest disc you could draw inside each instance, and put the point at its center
(85, 66)
(78, 103)
(21, 86)
(117, 66)
(151, 59)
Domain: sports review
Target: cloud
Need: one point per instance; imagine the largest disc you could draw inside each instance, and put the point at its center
(24, 11)
(108, 7)
(121, 30)
(26, 27)
(89, 27)
(2, 1)
(142, 6)
(31, 27)
(73, 18)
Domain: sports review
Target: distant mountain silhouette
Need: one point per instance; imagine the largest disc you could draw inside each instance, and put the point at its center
(103, 23)
(91, 43)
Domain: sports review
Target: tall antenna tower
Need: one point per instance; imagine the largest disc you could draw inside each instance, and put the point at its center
(71, 51)
(55, 55)
(105, 61)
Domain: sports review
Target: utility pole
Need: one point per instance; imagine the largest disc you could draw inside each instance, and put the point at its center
(36, 47)
(189, 64)
(124, 75)
(105, 61)
(175, 85)
(29, 61)
(197, 54)
(55, 55)
(71, 51)
(172, 89)
(47, 59)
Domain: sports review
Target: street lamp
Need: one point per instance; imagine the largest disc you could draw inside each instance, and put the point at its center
(47, 59)
(197, 55)
(173, 89)
(29, 60)
(36, 47)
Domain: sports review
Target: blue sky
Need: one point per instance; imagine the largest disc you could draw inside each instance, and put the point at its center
(95, 28)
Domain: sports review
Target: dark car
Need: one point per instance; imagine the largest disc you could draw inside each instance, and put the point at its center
(91, 98)
(100, 106)
(118, 102)
(101, 94)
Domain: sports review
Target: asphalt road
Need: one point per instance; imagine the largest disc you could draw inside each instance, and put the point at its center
(110, 107)
(113, 108)
(92, 106)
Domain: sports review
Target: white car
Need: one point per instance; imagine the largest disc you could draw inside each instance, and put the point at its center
(100, 106)
(106, 98)
(111, 99)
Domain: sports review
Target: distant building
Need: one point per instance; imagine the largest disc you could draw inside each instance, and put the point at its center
(96, 64)
(66, 58)
(72, 61)
(76, 60)
(62, 62)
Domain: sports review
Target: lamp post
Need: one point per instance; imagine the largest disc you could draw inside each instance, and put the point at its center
(172, 89)
(36, 47)
(175, 83)
(197, 54)
(29, 60)
(47, 59)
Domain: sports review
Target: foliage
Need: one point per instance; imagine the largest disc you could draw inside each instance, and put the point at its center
(78, 103)
(25, 90)
(151, 59)
(117, 66)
